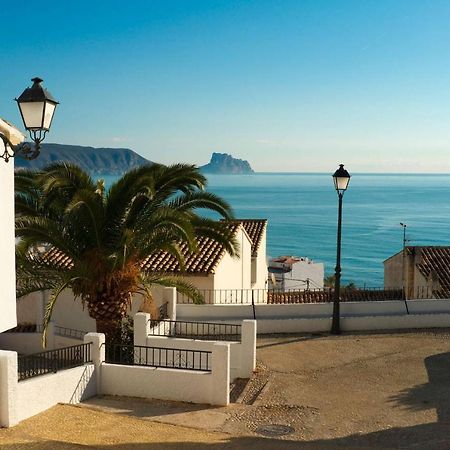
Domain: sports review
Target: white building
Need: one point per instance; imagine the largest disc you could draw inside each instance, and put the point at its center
(295, 273)
(214, 272)
(7, 247)
(219, 277)
(7, 242)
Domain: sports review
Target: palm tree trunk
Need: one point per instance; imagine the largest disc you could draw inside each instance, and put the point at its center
(112, 329)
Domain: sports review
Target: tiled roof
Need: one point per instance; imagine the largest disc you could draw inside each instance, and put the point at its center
(255, 229)
(204, 261)
(434, 261)
(56, 257)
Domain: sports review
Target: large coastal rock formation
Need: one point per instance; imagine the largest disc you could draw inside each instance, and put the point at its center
(226, 164)
(94, 160)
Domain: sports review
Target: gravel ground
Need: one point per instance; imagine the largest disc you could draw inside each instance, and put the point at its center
(377, 391)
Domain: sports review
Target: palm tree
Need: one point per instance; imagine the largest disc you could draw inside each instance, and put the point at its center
(76, 235)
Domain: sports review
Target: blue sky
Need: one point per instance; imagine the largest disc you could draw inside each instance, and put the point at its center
(289, 85)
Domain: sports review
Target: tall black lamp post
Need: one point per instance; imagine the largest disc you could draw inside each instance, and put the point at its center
(37, 107)
(341, 179)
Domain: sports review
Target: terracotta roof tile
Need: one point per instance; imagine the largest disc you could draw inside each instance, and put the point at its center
(204, 261)
(255, 229)
(434, 261)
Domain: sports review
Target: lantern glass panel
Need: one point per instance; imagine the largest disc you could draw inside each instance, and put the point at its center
(48, 116)
(32, 114)
(341, 183)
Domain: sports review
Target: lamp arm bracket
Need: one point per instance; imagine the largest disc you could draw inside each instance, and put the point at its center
(24, 150)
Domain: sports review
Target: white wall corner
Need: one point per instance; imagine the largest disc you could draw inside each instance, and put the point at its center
(97, 355)
(141, 328)
(170, 296)
(220, 386)
(8, 389)
(248, 352)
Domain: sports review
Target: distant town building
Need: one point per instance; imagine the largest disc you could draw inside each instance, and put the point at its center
(424, 271)
(294, 272)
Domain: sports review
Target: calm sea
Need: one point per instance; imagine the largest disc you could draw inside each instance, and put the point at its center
(302, 214)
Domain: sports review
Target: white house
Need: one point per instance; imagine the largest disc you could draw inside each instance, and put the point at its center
(212, 270)
(423, 271)
(295, 273)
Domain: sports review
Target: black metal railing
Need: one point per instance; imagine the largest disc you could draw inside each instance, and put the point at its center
(227, 296)
(428, 292)
(162, 311)
(159, 357)
(196, 330)
(325, 295)
(52, 361)
(70, 332)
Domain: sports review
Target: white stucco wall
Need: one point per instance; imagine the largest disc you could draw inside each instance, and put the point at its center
(172, 384)
(242, 353)
(23, 343)
(304, 274)
(306, 318)
(68, 312)
(7, 247)
(393, 268)
(235, 273)
(261, 264)
(67, 386)
(30, 308)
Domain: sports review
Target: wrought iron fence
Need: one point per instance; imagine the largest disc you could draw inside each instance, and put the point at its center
(52, 361)
(325, 295)
(70, 332)
(196, 330)
(428, 292)
(228, 296)
(159, 357)
(162, 311)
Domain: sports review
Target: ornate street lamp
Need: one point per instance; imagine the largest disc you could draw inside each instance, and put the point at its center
(37, 107)
(341, 179)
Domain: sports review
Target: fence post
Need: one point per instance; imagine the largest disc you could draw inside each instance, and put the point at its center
(220, 371)
(141, 328)
(248, 348)
(97, 356)
(8, 389)
(170, 296)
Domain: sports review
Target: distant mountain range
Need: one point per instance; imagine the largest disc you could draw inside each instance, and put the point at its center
(94, 160)
(115, 161)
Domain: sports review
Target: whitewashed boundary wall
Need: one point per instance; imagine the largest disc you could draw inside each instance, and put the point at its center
(20, 400)
(308, 317)
(242, 353)
(172, 384)
(69, 313)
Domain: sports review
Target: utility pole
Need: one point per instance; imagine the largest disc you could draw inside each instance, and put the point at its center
(403, 225)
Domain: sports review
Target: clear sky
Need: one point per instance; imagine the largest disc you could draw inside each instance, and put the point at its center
(289, 85)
